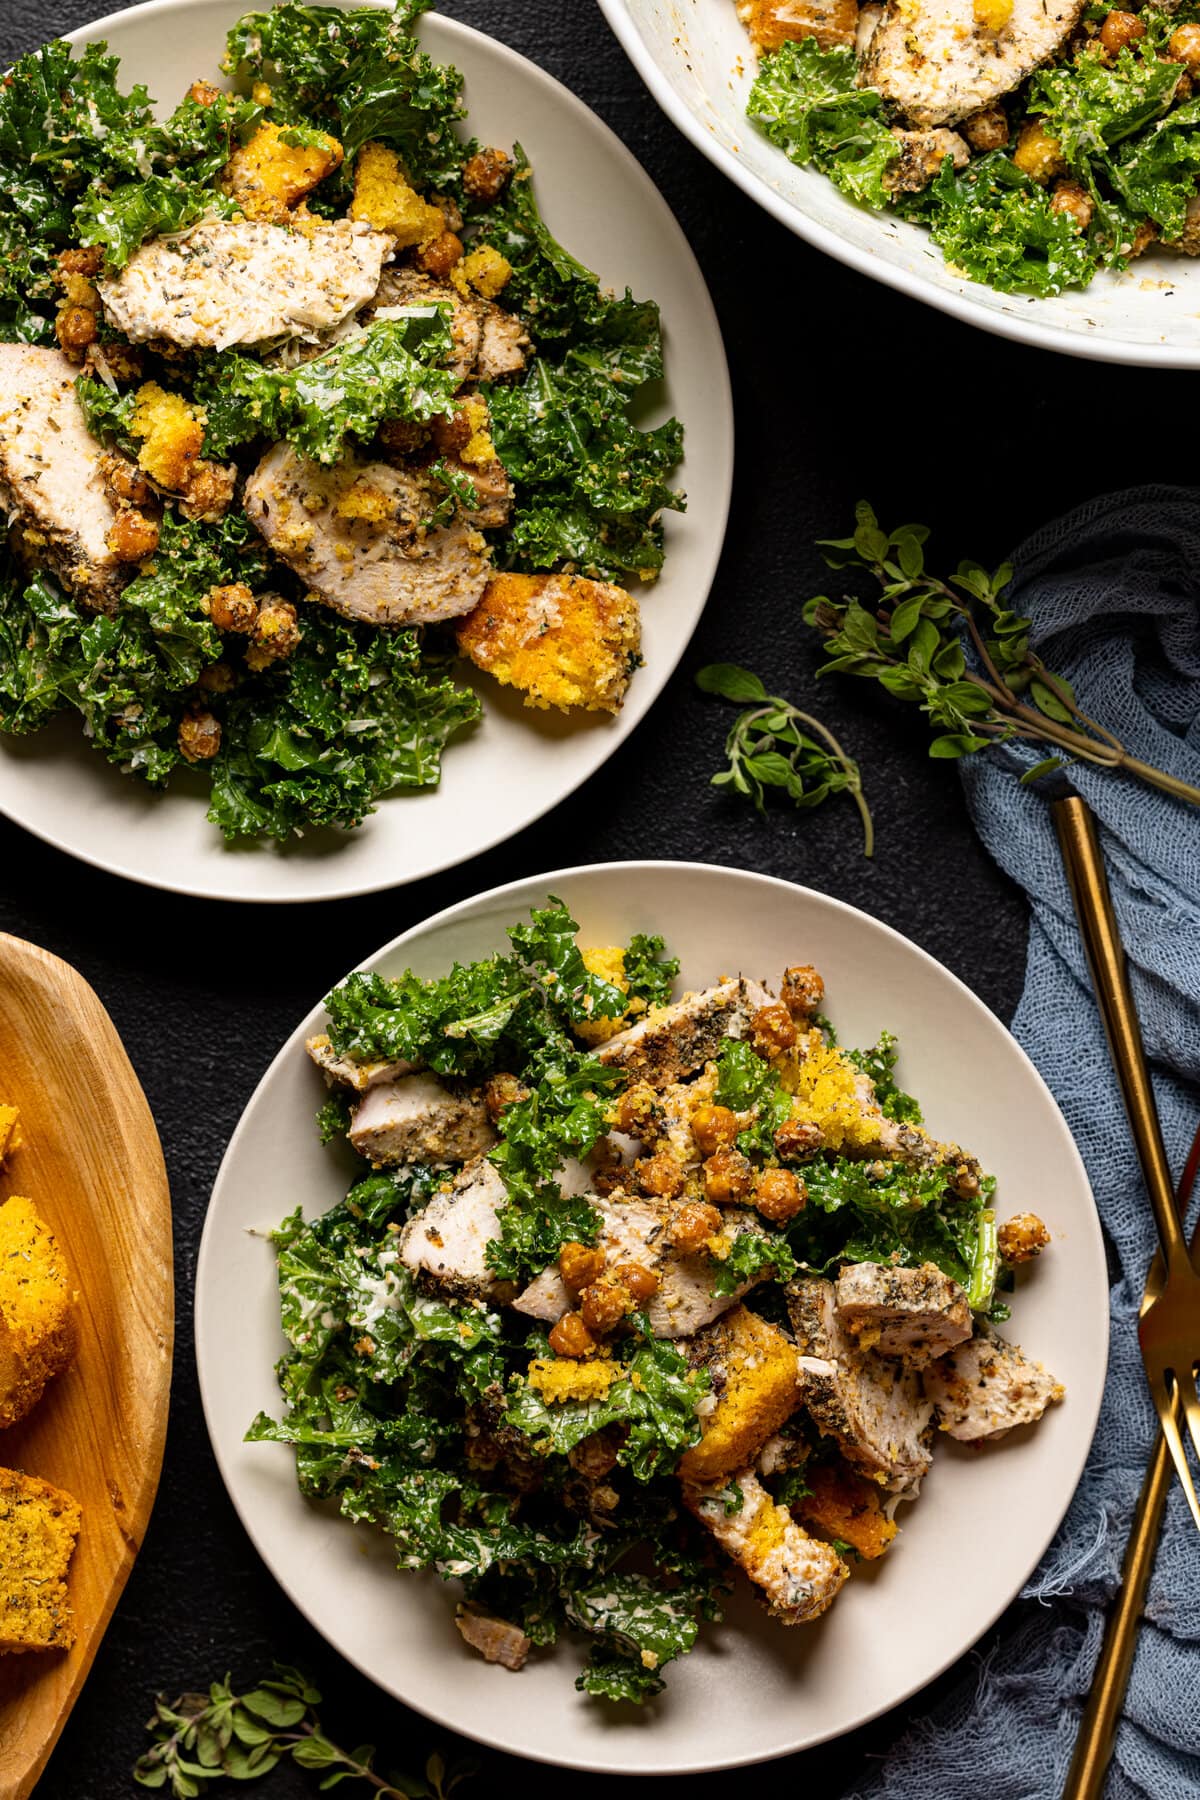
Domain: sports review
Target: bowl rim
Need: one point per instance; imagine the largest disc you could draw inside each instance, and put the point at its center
(489, 900)
(1089, 346)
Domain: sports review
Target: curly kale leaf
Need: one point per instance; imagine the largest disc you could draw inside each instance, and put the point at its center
(643, 1623)
(363, 75)
(997, 226)
(753, 1256)
(648, 971)
(879, 1064)
(352, 715)
(107, 413)
(388, 371)
(550, 943)
(806, 102)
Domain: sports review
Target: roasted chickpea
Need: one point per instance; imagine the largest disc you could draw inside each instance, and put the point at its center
(199, 735)
(728, 1177)
(500, 1092)
(88, 260)
(76, 328)
(661, 1175)
(636, 1112)
(797, 1140)
(232, 608)
(218, 678)
(1071, 197)
(1183, 46)
(594, 1457)
(124, 480)
(133, 536)
(772, 1030)
(580, 1265)
(571, 1337)
(453, 433)
(209, 490)
(1118, 30)
(641, 1283)
(403, 436)
(713, 1127)
(779, 1195)
(802, 990)
(486, 174)
(965, 1181)
(276, 634)
(692, 1225)
(117, 361)
(440, 255)
(604, 1303)
(986, 129)
(1022, 1237)
(1143, 237)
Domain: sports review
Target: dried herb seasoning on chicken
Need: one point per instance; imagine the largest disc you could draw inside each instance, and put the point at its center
(1038, 140)
(302, 409)
(632, 1293)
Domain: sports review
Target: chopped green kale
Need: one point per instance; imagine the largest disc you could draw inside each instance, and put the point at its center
(806, 101)
(648, 971)
(879, 1064)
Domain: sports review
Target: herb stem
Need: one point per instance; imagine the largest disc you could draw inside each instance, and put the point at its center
(854, 782)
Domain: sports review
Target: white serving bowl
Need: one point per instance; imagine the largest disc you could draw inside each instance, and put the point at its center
(697, 61)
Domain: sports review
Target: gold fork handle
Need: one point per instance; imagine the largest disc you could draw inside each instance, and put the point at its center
(1097, 923)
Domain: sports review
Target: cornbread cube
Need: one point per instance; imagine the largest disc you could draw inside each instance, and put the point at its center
(773, 22)
(37, 1310)
(384, 199)
(171, 433)
(267, 177)
(799, 1576)
(561, 640)
(38, 1528)
(755, 1386)
(10, 1132)
(841, 1504)
(608, 962)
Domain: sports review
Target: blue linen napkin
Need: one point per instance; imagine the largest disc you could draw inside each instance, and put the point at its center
(1114, 593)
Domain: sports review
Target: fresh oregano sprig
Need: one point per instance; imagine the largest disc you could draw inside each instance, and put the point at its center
(914, 642)
(201, 1739)
(772, 744)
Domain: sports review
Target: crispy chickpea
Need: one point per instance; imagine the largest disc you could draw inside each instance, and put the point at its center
(218, 678)
(1071, 197)
(276, 633)
(604, 1303)
(772, 1030)
(594, 1457)
(1143, 237)
(965, 1181)
(797, 1140)
(779, 1195)
(452, 433)
(500, 1092)
(636, 1112)
(713, 1127)
(209, 490)
(728, 1177)
(85, 261)
(641, 1283)
(76, 328)
(120, 362)
(1118, 30)
(133, 536)
(987, 129)
(802, 990)
(124, 480)
(661, 1175)
(199, 734)
(232, 608)
(692, 1225)
(403, 436)
(1037, 154)
(203, 93)
(1183, 46)
(440, 255)
(1022, 1237)
(580, 1265)
(486, 174)
(571, 1337)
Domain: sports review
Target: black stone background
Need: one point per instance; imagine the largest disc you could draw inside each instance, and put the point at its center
(842, 389)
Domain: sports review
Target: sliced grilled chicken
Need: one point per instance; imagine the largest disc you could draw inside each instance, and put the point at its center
(50, 482)
(446, 1244)
(936, 63)
(504, 343)
(243, 281)
(915, 1314)
(489, 343)
(347, 1073)
(678, 1040)
(356, 534)
(799, 1576)
(495, 1639)
(873, 1407)
(986, 1387)
(415, 1119)
(922, 154)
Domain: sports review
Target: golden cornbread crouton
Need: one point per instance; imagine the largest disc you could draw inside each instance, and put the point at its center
(773, 22)
(755, 1388)
(171, 434)
(268, 176)
(38, 1528)
(799, 1577)
(385, 200)
(37, 1309)
(608, 962)
(561, 640)
(568, 1378)
(487, 271)
(1037, 153)
(842, 1504)
(10, 1132)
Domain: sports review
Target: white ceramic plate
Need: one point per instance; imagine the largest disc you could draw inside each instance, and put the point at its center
(752, 1689)
(696, 59)
(517, 763)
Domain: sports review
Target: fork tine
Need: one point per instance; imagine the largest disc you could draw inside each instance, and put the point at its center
(1165, 1392)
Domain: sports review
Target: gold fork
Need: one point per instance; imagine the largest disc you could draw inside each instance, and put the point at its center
(1169, 1326)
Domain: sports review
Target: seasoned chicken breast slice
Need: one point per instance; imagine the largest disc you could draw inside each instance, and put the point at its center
(356, 534)
(986, 1387)
(915, 1314)
(50, 483)
(799, 1576)
(415, 1119)
(675, 1041)
(244, 281)
(346, 1072)
(445, 1245)
(936, 63)
(873, 1407)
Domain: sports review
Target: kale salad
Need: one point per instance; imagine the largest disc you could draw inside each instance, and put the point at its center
(632, 1296)
(1039, 141)
(302, 409)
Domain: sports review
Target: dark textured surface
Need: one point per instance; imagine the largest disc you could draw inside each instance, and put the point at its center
(842, 388)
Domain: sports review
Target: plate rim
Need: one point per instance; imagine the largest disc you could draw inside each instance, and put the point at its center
(961, 306)
(720, 445)
(488, 899)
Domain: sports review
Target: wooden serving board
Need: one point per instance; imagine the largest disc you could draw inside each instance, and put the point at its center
(91, 1162)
